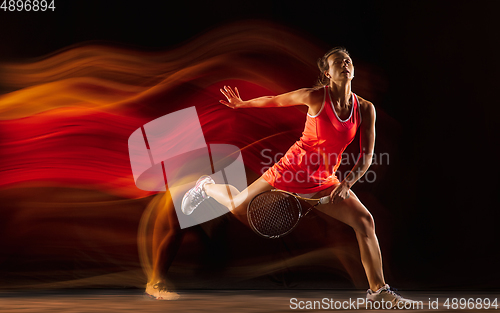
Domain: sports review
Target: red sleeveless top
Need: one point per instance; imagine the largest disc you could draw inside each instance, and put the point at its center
(309, 165)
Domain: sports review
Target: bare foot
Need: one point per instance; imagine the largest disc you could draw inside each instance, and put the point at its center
(159, 291)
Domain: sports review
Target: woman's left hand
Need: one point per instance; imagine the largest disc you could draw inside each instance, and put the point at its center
(340, 193)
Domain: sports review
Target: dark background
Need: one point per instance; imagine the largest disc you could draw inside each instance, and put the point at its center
(440, 62)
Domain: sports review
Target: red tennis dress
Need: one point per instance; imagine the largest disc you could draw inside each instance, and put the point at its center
(309, 166)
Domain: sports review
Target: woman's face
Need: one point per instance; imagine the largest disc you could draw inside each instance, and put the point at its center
(340, 67)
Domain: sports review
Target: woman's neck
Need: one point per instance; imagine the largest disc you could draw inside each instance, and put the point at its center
(341, 93)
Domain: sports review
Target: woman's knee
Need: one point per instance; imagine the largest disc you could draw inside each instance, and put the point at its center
(365, 224)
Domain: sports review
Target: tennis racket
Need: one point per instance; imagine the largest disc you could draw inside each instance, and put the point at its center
(275, 213)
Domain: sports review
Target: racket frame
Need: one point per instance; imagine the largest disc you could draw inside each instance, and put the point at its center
(296, 197)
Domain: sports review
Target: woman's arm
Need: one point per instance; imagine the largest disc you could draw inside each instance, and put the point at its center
(297, 97)
(367, 144)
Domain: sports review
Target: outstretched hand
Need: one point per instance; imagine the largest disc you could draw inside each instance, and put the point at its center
(233, 97)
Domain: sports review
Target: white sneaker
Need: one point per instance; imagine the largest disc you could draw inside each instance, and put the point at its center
(386, 294)
(195, 195)
(159, 291)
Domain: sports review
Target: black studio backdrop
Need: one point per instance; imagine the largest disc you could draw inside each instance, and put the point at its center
(441, 65)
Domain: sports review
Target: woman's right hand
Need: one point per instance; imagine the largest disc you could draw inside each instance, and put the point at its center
(233, 97)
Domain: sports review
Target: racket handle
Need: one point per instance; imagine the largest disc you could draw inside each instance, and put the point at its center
(324, 200)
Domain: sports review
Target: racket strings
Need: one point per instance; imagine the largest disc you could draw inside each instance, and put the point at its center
(274, 214)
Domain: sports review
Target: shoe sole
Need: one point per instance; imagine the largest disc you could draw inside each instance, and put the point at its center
(202, 178)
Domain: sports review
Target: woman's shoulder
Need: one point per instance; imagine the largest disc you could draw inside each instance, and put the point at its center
(316, 95)
(365, 104)
(366, 108)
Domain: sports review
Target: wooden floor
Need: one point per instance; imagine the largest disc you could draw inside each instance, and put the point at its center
(133, 300)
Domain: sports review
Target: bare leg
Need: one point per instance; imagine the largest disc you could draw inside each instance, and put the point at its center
(352, 212)
(165, 253)
(167, 237)
(238, 202)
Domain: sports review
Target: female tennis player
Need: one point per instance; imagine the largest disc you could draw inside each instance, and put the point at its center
(334, 116)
